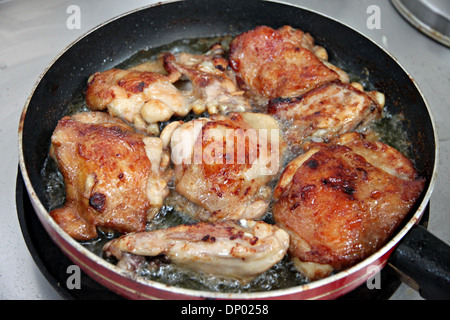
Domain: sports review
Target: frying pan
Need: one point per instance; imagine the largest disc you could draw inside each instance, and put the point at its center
(412, 250)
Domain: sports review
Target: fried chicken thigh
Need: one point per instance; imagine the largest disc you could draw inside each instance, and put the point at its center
(326, 112)
(115, 178)
(280, 63)
(233, 249)
(213, 82)
(223, 164)
(341, 202)
(141, 98)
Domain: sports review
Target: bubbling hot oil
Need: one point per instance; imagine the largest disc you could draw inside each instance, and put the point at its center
(283, 274)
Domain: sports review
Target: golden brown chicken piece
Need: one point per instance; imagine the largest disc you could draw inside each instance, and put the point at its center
(233, 249)
(341, 202)
(280, 63)
(141, 98)
(115, 178)
(326, 112)
(223, 164)
(213, 83)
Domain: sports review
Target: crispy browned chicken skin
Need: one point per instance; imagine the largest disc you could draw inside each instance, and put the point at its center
(280, 63)
(115, 178)
(341, 202)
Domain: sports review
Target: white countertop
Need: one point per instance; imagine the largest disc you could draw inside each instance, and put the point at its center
(34, 32)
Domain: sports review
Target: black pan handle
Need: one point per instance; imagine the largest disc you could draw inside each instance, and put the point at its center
(424, 259)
